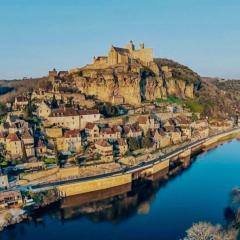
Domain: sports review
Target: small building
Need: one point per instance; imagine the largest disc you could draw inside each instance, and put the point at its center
(43, 111)
(40, 148)
(160, 138)
(4, 184)
(122, 146)
(10, 198)
(20, 103)
(176, 136)
(28, 142)
(109, 133)
(14, 146)
(90, 115)
(147, 122)
(70, 142)
(92, 132)
(65, 117)
(132, 130)
(53, 132)
(105, 149)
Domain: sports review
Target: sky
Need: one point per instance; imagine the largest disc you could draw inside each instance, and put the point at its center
(38, 35)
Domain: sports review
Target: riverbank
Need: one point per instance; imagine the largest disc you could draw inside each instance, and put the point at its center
(199, 193)
(11, 216)
(55, 197)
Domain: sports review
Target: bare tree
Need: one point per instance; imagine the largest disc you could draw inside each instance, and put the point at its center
(207, 231)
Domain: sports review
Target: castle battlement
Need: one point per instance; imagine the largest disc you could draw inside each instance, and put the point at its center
(117, 55)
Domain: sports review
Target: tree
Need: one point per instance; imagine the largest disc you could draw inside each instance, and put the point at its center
(207, 231)
(54, 103)
(147, 140)
(133, 144)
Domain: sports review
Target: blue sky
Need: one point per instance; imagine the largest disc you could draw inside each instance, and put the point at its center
(37, 35)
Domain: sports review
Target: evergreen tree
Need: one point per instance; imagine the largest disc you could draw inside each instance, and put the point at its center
(54, 103)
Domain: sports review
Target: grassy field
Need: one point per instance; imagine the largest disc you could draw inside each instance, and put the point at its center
(193, 105)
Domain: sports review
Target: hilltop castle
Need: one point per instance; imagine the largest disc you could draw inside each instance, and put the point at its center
(126, 55)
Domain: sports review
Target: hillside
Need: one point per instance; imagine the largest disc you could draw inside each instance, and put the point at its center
(11, 88)
(220, 98)
(134, 84)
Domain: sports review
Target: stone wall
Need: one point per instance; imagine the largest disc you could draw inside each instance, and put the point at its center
(94, 185)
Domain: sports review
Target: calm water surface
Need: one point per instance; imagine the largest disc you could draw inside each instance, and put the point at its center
(155, 211)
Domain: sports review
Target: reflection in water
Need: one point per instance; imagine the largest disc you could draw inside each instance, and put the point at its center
(113, 205)
(145, 209)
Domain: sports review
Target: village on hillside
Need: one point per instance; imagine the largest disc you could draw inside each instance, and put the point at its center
(61, 127)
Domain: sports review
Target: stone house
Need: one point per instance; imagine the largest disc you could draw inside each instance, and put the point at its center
(14, 146)
(71, 141)
(20, 103)
(169, 125)
(38, 94)
(40, 148)
(92, 132)
(199, 124)
(160, 138)
(53, 132)
(109, 133)
(176, 136)
(43, 111)
(186, 133)
(28, 143)
(4, 181)
(105, 149)
(220, 125)
(65, 117)
(11, 198)
(182, 121)
(90, 115)
(147, 122)
(121, 146)
(200, 133)
(13, 124)
(132, 130)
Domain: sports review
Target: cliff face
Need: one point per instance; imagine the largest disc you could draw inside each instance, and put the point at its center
(135, 83)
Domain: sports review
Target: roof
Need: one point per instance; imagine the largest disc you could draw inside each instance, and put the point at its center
(13, 137)
(21, 99)
(122, 51)
(64, 112)
(133, 128)
(88, 112)
(103, 143)
(90, 125)
(71, 133)
(9, 194)
(159, 131)
(142, 120)
(182, 120)
(101, 57)
(107, 130)
(26, 135)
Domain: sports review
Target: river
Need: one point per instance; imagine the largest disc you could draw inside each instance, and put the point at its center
(153, 210)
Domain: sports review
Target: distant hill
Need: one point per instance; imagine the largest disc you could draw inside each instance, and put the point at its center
(11, 88)
(219, 97)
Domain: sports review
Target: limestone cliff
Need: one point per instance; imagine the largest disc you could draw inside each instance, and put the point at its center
(134, 83)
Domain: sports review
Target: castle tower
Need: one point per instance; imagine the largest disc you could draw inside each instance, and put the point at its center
(130, 46)
(141, 45)
(52, 75)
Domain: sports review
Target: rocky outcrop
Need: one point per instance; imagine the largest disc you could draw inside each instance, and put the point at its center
(133, 83)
